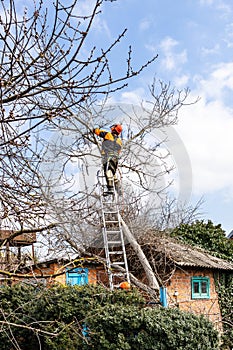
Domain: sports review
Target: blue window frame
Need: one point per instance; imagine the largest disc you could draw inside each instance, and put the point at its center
(200, 287)
(77, 276)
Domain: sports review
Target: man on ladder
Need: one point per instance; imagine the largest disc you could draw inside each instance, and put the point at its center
(111, 220)
(111, 148)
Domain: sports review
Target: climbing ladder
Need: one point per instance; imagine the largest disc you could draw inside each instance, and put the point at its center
(112, 235)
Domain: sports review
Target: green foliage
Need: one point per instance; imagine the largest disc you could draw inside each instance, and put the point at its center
(57, 319)
(224, 285)
(150, 329)
(207, 236)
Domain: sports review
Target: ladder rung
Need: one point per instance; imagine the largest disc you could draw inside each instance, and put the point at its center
(112, 233)
(113, 237)
(118, 263)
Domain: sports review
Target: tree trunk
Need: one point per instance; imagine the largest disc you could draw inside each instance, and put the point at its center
(153, 283)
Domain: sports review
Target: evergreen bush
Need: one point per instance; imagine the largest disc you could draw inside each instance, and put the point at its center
(89, 317)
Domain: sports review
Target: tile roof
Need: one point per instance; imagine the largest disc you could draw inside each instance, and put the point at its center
(186, 255)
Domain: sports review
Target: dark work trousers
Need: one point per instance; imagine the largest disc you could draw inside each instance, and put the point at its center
(110, 168)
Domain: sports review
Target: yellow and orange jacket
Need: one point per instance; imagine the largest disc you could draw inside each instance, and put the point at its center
(112, 144)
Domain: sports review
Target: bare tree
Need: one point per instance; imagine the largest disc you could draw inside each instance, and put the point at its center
(54, 89)
(49, 72)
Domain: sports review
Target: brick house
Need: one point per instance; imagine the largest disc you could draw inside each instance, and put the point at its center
(187, 275)
(63, 269)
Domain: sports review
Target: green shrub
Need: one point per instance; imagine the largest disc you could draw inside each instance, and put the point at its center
(225, 293)
(116, 328)
(207, 236)
(71, 318)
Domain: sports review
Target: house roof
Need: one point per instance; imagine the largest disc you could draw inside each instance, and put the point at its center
(230, 234)
(64, 255)
(17, 240)
(186, 255)
(180, 254)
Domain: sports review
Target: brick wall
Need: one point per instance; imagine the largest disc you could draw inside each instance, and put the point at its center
(179, 295)
(53, 269)
(62, 278)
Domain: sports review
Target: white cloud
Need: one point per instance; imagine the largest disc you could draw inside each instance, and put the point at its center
(181, 81)
(223, 8)
(144, 24)
(168, 44)
(210, 50)
(85, 7)
(133, 97)
(152, 48)
(206, 130)
(171, 59)
(206, 2)
(219, 81)
(229, 35)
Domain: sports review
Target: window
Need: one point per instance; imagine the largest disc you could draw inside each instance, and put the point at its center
(200, 287)
(77, 276)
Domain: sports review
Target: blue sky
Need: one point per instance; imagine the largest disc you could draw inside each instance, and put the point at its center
(194, 41)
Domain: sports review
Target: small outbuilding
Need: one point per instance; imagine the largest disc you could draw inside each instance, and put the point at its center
(188, 276)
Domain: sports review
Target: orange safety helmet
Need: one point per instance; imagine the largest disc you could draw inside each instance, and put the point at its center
(124, 285)
(117, 128)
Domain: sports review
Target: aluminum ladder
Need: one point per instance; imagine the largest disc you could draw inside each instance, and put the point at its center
(113, 236)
